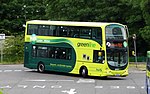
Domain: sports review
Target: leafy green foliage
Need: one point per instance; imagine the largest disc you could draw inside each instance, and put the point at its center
(145, 33)
(82, 10)
(133, 13)
(14, 13)
(146, 11)
(13, 49)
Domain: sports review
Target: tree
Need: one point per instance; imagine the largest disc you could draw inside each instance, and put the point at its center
(133, 13)
(87, 10)
(14, 48)
(14, 13)
(145, 33)
(145, 5)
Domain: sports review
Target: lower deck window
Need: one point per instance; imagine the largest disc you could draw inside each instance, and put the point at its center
(51, 52)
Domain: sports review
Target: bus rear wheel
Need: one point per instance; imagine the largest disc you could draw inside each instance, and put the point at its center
(41, 67)
(84, 72)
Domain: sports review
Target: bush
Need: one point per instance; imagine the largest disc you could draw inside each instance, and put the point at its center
(139, 59)
(13, 50)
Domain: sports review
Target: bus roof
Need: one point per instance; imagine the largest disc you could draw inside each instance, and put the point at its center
(70, 23)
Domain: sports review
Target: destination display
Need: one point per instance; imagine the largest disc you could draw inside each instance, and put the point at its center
(122, 44)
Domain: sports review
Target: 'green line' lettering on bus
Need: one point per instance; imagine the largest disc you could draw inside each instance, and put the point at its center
(60, 65)
(86, 44)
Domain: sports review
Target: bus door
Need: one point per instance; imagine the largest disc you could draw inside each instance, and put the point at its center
(26, 54)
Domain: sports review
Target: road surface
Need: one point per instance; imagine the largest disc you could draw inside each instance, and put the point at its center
(15, 79)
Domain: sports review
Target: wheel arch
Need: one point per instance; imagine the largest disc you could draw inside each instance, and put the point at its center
(83, 66)
(40, 62)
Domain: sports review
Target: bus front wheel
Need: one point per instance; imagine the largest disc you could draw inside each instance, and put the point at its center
(84, 72)
(41, 67)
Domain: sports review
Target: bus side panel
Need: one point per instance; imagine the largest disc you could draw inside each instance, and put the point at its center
(84, 50)
(95, 69)
(27, 59)
(51, 64)
(85, 58)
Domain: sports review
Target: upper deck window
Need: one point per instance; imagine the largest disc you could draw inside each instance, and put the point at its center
(66, 31)
(42, 30)
(115, 32)
(32, 29)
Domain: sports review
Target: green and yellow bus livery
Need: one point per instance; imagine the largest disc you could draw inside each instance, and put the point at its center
(86, 48)
(148, 73)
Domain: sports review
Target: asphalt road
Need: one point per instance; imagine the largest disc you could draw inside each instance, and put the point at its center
(15, 79)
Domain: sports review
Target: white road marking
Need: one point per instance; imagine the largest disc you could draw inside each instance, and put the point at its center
(1, 71)
(7, 70)
(114, 87)
(29, 70)
(56, 86)
(37, 86)
(86, 81)
(98, 86)
(50, 80)
(59, 86)
(22, 86)
(143, 87)
(5, 87)
(60, 80)
(69, 92)
(130, 87)
(36, 80)
(17, 70)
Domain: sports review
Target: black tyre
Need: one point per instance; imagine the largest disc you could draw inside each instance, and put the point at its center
(41, 67)
(147, 85)
(84, 72)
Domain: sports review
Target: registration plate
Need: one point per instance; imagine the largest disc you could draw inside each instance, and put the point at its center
(118, 75)
(116, 68)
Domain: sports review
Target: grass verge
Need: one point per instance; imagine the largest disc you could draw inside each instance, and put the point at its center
(1, 92)
(10, 63)
(139, 65)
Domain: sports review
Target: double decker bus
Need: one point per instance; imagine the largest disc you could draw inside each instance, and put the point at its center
(148, 73)
(85, 48)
